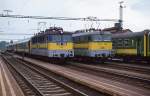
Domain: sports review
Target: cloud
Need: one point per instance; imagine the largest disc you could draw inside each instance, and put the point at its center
(142, 6)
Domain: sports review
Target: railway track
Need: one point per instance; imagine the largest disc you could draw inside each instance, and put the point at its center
(129, 67)
(35, 82)
(122, 66)
(111, 74)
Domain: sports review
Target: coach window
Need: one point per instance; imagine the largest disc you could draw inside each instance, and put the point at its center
(43, 39)
(133, 43)
(32, 40)
(38, 39)
(89, 38)
(126, 43)
(83, 38)
(80, 38)
(149, 43)
(114, 44)
(120, 42)
(76, 39)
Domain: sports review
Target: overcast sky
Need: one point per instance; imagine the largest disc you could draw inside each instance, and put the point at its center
(136, 14)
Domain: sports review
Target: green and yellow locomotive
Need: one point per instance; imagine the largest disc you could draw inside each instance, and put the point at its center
(132, 45)
(92, 44)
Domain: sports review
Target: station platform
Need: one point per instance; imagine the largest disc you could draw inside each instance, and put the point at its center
(8, 85)
(97, 83)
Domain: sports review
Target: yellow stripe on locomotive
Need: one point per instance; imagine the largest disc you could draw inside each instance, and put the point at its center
(100, 45)
(94, 45)
(60, 46)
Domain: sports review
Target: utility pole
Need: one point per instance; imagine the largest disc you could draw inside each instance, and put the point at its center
(41, 25)
(7, 14)
(121, 14)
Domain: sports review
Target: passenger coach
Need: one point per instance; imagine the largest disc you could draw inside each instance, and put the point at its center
(22, 46)
(132, 45)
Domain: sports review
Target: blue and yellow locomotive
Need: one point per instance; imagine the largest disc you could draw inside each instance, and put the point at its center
(53, 43)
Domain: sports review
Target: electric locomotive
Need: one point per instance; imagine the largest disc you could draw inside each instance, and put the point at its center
(92, 44)
(53, 43)
(132, 45)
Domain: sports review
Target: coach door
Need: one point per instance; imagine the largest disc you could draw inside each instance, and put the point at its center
(29, 47)
(149, 44)
(139, 47)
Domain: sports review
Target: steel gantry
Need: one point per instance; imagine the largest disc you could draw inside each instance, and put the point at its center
(90, 18)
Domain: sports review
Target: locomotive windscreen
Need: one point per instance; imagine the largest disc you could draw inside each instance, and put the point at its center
(60, 38)
(99, 37)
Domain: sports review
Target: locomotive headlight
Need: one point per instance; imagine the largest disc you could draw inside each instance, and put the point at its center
(61, 31)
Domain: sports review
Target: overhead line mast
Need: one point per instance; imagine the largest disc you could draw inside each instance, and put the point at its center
(121, 14)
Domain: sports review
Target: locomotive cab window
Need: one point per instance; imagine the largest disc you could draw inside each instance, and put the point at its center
(101, 37)
(59, 38)
(106, 37)
(96, 37)
(67, 38)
